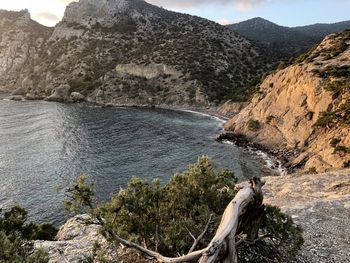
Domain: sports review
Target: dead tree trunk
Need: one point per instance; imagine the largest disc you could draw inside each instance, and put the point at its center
(241, 216)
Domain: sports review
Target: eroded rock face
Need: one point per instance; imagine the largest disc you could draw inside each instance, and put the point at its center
(21, 41)
(293, 99)
(76, 240)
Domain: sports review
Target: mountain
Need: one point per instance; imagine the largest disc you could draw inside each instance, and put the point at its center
(285, 42)
(319, 31)
(129, 52)
(305, 108)
(21, 40)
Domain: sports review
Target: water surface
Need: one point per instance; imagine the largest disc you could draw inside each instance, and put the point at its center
(44, 146)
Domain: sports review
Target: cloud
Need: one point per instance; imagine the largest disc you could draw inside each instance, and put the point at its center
(242, 5)
(46, 15)
(226, 21)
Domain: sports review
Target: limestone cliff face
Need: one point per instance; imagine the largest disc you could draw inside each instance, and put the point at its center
(305, 107)
(110, 51)
(21, 42)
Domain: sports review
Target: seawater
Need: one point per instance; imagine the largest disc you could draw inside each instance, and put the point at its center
(44, 146)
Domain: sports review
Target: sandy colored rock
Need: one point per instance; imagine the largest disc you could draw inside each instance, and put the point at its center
(291, 101)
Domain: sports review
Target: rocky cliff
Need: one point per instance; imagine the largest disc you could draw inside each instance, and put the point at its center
(305, 107)
(129, 52)
(22, 41)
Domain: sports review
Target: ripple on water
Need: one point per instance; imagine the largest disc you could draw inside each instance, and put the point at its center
(46, 145)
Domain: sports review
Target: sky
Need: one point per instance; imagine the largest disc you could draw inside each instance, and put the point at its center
(282, 12)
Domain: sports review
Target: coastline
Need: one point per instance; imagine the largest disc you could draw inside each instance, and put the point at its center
(268, 158)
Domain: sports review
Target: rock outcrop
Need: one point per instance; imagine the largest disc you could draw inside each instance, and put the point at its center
(305, 107)
(22, 40)
(76, 241)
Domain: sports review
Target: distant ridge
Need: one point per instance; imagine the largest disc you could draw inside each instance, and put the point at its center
(285, 42)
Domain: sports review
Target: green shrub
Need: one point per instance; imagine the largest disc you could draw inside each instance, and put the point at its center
(337, 86)
(15, 236)
(253, 125)
(334, 142)
(325, 119)
(269, 119)
(312, 170)
(341, 149)
(161, 216)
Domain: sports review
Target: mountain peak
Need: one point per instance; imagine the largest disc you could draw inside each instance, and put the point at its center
(20, 18)
(89, 12)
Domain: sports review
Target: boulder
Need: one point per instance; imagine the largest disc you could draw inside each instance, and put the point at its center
(21, 91)
(30, 96)
(75, 241)
(15, 98)
(77, 97)
(61, 94)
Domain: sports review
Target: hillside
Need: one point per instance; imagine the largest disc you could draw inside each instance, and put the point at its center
(285, 42)
(129, 52)
(305, 108)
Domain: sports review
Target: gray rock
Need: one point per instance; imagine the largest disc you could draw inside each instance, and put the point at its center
(61, 94)
(30, 96)
(15, 98)
(75, 241)
(77, 97)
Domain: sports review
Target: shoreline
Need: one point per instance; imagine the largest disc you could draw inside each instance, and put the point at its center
(273, 162)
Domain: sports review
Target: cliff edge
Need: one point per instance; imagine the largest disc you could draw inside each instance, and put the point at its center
(305, 108)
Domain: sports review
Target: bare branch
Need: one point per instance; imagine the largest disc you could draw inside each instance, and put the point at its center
(199, 238)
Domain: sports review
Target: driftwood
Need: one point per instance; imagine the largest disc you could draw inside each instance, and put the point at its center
(242, 217)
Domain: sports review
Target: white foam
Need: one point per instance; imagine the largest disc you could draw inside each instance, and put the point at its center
(219, 119)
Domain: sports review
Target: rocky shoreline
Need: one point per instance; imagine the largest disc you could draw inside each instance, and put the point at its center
(280, 158)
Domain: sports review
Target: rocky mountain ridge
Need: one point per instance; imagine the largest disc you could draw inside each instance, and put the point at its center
(286, 42)
(305, 108)
(106, 51)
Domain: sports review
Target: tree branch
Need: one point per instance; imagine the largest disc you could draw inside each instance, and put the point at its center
(199, 238)
(247, 198)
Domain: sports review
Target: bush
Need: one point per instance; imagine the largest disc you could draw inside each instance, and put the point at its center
(253, 125)
(15, 236)
(337, 87)
(269, 119)
(312, 170)
(341, 149)
(334, 142)
(325, 119)
(161, 216)
(151, 213)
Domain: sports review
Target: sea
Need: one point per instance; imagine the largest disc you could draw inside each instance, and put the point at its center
(45, 146)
